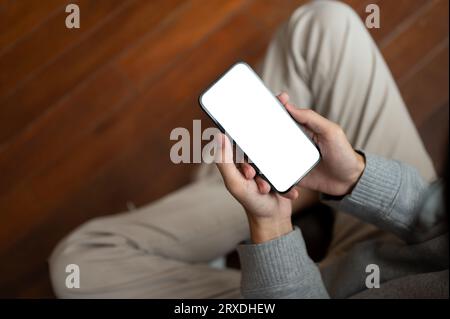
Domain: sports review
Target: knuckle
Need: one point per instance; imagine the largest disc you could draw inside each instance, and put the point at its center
(334, 131)
(338, 132)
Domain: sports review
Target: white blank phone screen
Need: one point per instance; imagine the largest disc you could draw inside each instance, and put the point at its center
(258, 123)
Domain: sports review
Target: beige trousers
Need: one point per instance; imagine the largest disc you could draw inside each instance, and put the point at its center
(326, 60)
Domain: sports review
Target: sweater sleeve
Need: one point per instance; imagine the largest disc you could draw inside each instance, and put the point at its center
(280, 268)
(391, 195)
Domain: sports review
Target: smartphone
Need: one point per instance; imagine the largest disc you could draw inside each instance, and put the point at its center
(244, 108)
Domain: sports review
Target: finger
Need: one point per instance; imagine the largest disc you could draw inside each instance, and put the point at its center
(312, 120)
(308, 132)
(224, 161)
(310, 180)
(292, 194)
(263, 186)
(248, 170)
(283, 97)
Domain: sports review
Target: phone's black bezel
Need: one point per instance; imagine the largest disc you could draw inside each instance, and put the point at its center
(282, 107)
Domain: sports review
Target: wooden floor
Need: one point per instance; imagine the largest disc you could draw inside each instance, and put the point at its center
(85, 115)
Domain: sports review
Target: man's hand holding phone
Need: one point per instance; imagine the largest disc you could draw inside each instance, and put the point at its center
(269, 213)
(340, 167)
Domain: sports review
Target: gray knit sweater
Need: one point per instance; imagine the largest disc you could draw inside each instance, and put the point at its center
(390, 195)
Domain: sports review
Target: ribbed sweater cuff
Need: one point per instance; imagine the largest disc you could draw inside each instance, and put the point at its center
(275, 262)
(376, 190)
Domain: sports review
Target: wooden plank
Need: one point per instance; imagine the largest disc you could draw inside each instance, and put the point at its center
(434, 133)
(358, 5)
(38, 286)
(264, 13)
(147, 60)
(35, 97)
(18, 18)
(421, 36)
(48, 41)
(57, 133)
(427, 89)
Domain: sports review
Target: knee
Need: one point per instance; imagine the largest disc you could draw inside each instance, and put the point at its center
(60, 262)
(328, 11)
(68, 265)
(326, 16)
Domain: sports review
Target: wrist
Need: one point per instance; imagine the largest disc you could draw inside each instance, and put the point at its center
(360, 165)
(263, 229)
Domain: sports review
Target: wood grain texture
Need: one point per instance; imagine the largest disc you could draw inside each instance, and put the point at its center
(419, 37)
(19, 18)
(427, 89)
(16, 62)
(85, 115)
(36, 96)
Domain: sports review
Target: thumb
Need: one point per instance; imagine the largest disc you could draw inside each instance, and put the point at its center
(224, 161)
(307, 117)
